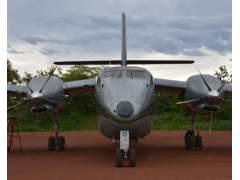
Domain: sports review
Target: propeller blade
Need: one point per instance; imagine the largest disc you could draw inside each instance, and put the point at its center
(223, 84)
(18, 104)
(189, 101)
(56, 102)
(48, 78)
(211, 121)
(37, 116)
(204, 80)
(29, 89)
(223, 100)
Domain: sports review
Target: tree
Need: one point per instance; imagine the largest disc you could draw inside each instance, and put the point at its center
(28, 77)
(223, 74)
(226, 108)
(12, 78)
(83, 102)
(12, 74)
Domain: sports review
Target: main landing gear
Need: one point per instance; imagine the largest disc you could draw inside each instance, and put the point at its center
(123, 152)
(57, 141)
(192, 142)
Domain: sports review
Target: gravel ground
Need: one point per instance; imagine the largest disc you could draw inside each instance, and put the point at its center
(89, 155)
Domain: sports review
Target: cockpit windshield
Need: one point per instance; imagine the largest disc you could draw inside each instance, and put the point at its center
(126, 74)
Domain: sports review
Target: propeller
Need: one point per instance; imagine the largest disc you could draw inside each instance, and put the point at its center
(37, 97)
(212, 95)
(190, 101)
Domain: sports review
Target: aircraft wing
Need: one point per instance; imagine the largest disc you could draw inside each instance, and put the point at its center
(227, 90)
(79, 87)
(169, 86)
(16, 90)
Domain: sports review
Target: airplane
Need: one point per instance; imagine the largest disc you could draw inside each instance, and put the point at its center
(124, 96)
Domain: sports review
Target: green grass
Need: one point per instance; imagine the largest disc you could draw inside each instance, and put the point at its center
(75, 121)
(67, 122)
(180, 122)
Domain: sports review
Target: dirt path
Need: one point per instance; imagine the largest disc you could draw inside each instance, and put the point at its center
(89, 155)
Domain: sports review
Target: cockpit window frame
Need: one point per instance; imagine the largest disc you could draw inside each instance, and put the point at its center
(123, 75)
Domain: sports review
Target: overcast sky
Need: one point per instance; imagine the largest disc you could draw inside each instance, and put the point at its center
(41, 32)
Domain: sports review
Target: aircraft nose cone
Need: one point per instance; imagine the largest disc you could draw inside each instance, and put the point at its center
(125, 109)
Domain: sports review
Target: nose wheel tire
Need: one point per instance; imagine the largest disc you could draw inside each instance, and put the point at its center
(132, 157)
(118, 157)
(51, 144)
(61, 143)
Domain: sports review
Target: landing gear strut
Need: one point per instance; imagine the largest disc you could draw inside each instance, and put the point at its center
(123, 152)
(192, 142)
(56, 141)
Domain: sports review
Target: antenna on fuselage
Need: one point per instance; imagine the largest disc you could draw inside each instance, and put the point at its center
(124, 51)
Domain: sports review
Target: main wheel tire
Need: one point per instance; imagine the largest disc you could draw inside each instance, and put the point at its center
(61, 143)
(118, 157)
(199, 141)
(132, 157)
(188, 142)
(51, 144)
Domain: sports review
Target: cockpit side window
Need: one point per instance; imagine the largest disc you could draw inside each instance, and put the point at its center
(151, 80)
(98, 80)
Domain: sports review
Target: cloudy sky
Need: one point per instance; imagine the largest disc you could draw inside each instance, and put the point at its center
(41, 32)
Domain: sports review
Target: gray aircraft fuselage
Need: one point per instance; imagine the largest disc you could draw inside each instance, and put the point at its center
(124, 98)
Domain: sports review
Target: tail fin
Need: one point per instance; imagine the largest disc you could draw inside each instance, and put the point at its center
(123, 60)
(124, 51)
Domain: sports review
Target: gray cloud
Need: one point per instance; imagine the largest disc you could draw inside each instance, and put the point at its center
(13, 51)
(45, 51)
(35, 40)
(169, 27)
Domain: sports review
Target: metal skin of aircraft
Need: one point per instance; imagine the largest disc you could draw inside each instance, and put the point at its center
(124, 96)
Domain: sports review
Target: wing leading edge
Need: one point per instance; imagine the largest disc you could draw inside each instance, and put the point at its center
(169, 86)
(16, 90)
(116, 62)
(79, 87)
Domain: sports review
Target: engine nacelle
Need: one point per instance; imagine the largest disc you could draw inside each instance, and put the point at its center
(196, 88)
(50, 99)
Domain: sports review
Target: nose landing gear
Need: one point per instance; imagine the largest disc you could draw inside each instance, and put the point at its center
(123, 152)
(131, 155)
